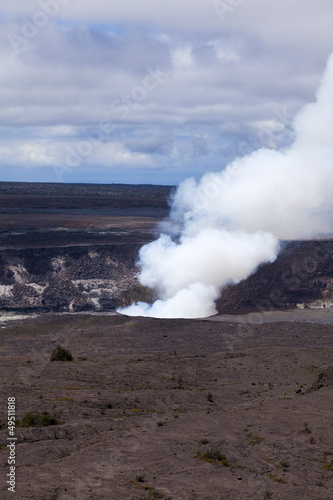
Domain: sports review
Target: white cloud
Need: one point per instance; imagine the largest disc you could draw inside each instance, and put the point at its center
(182, 56)
(268, 19)
(226, 79)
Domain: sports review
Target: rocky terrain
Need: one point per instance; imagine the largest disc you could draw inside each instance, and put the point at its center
(101, 276)
(302, 276)
(74, 247)
(68, 279)
(236, 406)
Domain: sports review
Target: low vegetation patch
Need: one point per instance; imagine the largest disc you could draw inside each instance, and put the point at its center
(273, 477)
(152, 493)
(213, 456)
(204, 441)
(283, 465)
(327, 464)
(254, 439)
(38, 420)
(306, 429)
(61, 354)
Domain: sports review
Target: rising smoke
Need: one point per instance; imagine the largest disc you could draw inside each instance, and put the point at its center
(222, 228)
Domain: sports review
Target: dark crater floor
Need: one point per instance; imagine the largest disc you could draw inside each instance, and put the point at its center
(74, 247)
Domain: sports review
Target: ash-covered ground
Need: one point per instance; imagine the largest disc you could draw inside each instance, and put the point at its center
(149, 407)
(237, 406)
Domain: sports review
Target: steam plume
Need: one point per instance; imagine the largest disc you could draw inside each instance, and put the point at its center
(222, 228)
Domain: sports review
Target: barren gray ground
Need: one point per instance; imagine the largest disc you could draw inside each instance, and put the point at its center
(143, 395)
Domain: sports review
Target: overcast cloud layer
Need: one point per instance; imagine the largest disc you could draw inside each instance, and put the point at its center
(152, 91)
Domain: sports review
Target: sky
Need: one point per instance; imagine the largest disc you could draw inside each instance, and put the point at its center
(152, 91)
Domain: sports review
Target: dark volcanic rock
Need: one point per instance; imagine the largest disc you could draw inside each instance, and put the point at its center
(73, 247)
(68, 279)
(302, 274)
(103, 277)
(325, 379)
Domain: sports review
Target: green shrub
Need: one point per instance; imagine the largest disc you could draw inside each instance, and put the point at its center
(213, 456)
(205, 441)
(151, 492)
(38, 420)
(306, 429)
(30, 420)
(61, 354)
(273, 477)
(283, 465)
(328, 465)
(254, 439)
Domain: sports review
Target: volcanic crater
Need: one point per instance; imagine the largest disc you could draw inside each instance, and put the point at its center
(238, 405)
